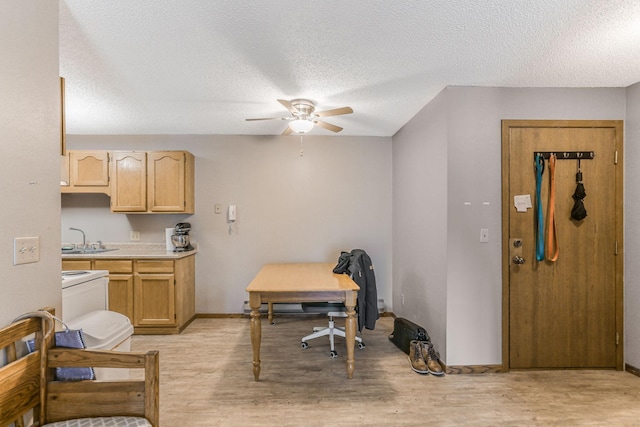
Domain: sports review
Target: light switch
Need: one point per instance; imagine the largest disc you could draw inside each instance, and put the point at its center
(26, 250)
(484, 235)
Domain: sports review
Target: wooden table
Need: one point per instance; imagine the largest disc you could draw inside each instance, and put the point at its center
(304, 282)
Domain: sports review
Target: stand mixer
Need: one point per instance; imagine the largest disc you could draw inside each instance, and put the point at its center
(180, 237)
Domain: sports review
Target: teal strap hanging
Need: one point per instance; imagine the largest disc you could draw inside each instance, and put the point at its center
(539, 160)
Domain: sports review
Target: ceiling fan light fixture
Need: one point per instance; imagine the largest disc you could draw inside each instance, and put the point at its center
(301, 125)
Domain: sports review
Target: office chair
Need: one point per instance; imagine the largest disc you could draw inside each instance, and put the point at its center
(332, 309)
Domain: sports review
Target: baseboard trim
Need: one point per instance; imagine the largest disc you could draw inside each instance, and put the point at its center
(476, 369)
(221, 316)
(247, 316)
(632, 370)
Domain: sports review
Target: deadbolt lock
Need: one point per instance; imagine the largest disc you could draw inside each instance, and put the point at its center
(515, 250)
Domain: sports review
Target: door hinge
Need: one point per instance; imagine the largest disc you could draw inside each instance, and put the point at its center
(615, 157)
(617, 338)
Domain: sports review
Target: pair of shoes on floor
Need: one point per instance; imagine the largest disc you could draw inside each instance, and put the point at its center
(424, 359)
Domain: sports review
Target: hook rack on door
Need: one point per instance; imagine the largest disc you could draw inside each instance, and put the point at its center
(567, 155)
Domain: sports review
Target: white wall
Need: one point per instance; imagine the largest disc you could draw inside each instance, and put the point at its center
(473, 298)
(474, 292)
(632, 228)
(30, 145)
(420, 220)
(290, 208)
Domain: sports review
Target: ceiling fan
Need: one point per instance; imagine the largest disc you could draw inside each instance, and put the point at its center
(304, 116)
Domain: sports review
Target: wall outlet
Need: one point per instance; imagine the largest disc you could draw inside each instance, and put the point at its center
(218, 208)
(26, 250)
(134, 236)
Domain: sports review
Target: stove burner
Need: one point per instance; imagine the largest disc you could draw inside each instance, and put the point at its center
(74, 273)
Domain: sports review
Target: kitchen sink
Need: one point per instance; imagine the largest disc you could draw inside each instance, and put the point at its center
(85, 251)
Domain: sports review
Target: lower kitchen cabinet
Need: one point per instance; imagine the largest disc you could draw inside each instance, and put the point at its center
(120, 285)
(158, 295)
(154, 293)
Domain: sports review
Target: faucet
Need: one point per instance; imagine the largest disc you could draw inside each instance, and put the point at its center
(84, 238)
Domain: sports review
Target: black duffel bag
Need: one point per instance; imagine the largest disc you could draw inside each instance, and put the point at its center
(405, 331)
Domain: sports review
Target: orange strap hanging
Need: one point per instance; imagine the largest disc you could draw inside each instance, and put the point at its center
(552, 243)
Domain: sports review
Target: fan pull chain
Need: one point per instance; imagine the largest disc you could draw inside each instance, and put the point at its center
(301, 151)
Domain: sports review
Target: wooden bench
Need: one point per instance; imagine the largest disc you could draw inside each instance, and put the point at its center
(26, 381)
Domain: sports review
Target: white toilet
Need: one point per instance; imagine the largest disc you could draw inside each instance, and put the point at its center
(85, 303)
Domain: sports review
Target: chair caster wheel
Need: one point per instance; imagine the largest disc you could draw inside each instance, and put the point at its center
(361, 345)
(304, 345)
(333, 354)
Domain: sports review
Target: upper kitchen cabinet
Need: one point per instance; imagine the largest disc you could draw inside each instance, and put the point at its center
(129, 185)
(153, 182)
(170, 181)
(88, 172)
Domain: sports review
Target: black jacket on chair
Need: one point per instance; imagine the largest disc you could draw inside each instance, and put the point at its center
(359, 266)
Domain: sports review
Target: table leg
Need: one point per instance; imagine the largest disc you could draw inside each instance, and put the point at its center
(270, 315)
(350, 331)
(256, 332)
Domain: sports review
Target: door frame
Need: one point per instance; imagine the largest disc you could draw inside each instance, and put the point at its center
(618, 126)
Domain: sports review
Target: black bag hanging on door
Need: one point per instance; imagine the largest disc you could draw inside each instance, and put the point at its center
(405, 331)
(579, 212)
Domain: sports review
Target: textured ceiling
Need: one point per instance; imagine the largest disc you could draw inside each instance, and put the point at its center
(203, 66)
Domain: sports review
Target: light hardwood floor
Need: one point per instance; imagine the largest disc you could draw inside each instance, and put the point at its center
(206, 380)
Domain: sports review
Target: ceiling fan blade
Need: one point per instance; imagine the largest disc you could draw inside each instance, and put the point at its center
(289, 106)
(287, 131)
(268, 118)
(334, 112)
(328, 126)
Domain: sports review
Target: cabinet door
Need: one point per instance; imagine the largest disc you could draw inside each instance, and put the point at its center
(166, 181)
(89, 168)
(120, 284)
(121, 294)
(154, 299)
(129, 186)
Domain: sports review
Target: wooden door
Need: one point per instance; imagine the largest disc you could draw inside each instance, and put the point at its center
(567, 313)
(129, 188)
(166, 181)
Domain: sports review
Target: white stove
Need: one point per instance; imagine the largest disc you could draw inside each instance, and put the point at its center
(84, 291)
(75, 277)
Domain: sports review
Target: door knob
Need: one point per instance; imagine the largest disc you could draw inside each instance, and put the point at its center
(518, 260)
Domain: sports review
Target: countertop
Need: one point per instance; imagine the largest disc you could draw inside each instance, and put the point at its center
(134, 251)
